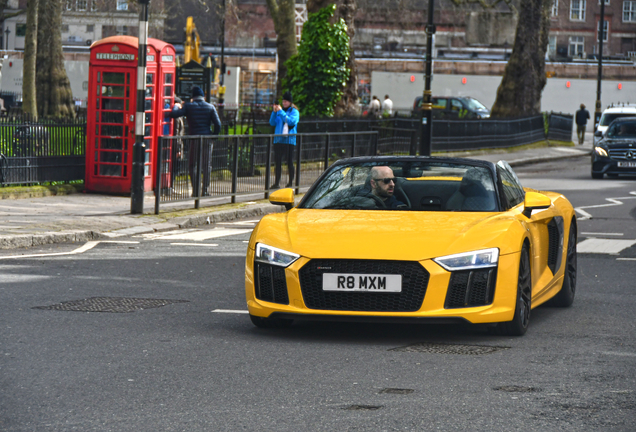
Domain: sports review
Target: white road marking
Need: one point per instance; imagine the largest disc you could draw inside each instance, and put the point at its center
(230, 311)
(119, 241)
(601, 234)
(625, 259)
(89, 245)
(205, 234)
(250, 222)
(194, 244)
(613, 202)
(603, 246)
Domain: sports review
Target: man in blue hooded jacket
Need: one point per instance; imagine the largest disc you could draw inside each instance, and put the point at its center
(201, 116)
(284, 119)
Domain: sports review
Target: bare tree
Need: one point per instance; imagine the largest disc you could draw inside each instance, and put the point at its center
(282, 12)
(54, 95)
(346, 9)
(29, 104)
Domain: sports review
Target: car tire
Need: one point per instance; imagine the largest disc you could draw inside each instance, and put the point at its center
(597, 175)
(565, 297)
(523, 304)
(261, 322)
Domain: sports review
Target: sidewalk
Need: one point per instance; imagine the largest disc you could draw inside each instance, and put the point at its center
(82, 217)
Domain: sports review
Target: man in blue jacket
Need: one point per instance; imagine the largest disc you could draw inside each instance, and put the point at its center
(284, 119)
(201, 116)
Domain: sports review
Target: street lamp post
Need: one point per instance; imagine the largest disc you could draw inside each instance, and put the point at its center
(222, 76)
(427, 105)
(139, 148)
(599, 77)
(6, 39)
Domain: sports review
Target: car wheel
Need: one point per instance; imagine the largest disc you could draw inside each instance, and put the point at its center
(597, 175)
(565, 297)
(521, 318)
(261, 322)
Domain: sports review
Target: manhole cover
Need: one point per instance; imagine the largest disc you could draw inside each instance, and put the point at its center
(109, 304)
(517, 389)
(438, 348)
(396, 391)
(363, 407)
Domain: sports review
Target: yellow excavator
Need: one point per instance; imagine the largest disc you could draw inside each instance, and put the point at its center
(192, 42)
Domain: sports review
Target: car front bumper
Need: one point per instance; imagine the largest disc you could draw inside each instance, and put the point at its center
(608, 165)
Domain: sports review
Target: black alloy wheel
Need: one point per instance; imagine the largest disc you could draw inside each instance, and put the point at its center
(521, 318)
(261, 322)
(565, 297)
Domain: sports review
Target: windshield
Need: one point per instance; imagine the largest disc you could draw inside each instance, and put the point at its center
(475, 105)
(405, 185)
(622, 130)
(609, 118)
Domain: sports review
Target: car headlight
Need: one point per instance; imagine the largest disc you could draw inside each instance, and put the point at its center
(600, 151)
(274, 256)
(470, 260)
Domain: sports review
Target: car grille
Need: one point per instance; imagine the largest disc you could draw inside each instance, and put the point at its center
(414, 283)
(619, 151)
(471, 288)
(271, 284)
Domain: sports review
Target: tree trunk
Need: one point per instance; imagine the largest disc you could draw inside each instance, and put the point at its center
(283, 14)
(54, 95)
(348, 104)
(519, 93)
(30, 52)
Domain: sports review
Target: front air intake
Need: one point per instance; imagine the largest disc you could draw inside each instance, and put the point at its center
(271, 284)
(471, 288)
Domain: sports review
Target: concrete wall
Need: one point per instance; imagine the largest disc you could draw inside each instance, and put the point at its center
(491, 28)
(556, 95)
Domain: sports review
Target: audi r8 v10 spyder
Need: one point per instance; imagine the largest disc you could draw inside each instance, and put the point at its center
(420, 239)
(615, 153)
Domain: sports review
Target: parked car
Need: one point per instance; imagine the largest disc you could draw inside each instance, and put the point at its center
(615, 153)
(447, 240)
(609, 115)
(454, 108)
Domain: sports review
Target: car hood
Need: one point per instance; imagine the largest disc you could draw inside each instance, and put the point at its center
(396, 235)
(619, 142)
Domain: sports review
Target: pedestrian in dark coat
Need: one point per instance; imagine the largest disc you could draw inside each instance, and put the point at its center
(200, 116)
(285, 119)
(582, 116)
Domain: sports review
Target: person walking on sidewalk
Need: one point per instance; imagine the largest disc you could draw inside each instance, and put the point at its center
(582, 117)
(201, 116)
(387, 106)
(284, 119)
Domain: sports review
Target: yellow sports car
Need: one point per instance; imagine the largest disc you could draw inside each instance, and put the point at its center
(419, 239)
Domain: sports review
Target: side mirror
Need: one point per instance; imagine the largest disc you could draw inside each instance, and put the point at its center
(598, 134)
(283, 197)
(535, 201)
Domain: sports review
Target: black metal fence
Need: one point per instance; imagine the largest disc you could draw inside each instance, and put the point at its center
(47, 150)
(193, 167)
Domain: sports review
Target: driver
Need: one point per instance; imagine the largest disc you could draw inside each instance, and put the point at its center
(383, 186)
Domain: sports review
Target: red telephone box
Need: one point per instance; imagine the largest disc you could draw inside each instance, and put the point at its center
(112, 103)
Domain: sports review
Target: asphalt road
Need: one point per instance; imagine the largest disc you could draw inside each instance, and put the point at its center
(177, 363)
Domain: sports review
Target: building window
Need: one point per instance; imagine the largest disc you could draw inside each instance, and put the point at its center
(552, 46)
(20, 30)
(555, 8)
(577, 46)
(605, 30)
(577, 10)
(81, 5)
(64, 28)
(90, 28)
(629, 11)
(93, 5)
(122, 5)
(69, 4)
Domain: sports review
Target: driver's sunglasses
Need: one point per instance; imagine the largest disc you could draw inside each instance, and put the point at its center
(386, 181)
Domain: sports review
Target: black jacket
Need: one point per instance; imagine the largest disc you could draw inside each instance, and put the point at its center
(200, 115)
(581, 117)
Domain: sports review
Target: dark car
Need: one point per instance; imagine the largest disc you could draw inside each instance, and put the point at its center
(615, 153)
(454, 108)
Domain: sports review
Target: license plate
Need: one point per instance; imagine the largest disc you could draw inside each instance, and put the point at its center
(361, 282)
(627, 164)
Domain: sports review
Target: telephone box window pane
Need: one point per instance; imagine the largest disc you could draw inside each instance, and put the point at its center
(146, 171)
(168, 79)
(114, 157)
(148, 105)
(147, 131)
(111, 144)
(148, 118)
(112, 104)
(147, 155)
(113, 117)
(116, 91)
(127, 91)
(110, 170)
(113, 78)
(97, 103)
(112, 130)
(128, 78)
(127, 104)
(99, 76)
(167, 91)
(148, 145)
(149, 78)
(96, 143)
(149, 92)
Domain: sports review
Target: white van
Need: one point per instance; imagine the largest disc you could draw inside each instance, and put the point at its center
(610, 114)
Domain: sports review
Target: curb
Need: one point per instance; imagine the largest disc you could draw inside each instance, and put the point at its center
(541, 159)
